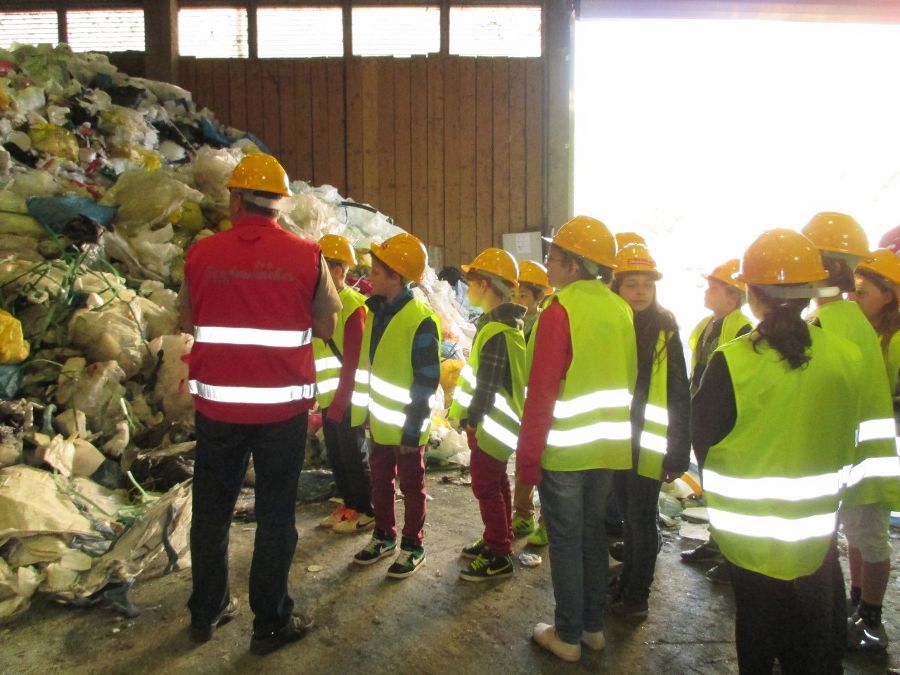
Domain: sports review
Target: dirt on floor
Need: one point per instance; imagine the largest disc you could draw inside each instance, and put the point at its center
(366, 623)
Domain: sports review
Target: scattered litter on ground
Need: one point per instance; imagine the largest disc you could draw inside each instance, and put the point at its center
(530, 559)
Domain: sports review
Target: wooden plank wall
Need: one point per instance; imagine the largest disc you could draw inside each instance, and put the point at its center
(452, 148)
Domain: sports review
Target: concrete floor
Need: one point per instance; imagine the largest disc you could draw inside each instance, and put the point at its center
(366, 623)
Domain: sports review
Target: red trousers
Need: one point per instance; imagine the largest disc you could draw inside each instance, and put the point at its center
(490, 485)
(386, 464)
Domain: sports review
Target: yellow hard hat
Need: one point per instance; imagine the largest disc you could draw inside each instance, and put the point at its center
(495, 261)
(589, 238)
(780, 257)
(336, 247)
(636, 258)
(533, 273)
(884, 263)
(404, 254)
(623, 239)
(260, 172)
(837, 233)
(725, 273)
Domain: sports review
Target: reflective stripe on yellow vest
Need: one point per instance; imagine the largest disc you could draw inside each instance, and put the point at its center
(773, 484)
(654, 434)
(498, 433)
(591, 427)
(874, 475)
(733, 322)
(382, 387)
(328, 366)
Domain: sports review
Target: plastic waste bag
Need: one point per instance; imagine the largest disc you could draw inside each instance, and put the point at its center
(54, 213)
(146, 199)
(14, 347)
(54, 140)
(171, 390)
(94, 389)
(113, 333)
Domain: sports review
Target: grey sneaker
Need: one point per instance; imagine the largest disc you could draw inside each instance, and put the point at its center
(202, 632)
(861, 637)
(296, 627)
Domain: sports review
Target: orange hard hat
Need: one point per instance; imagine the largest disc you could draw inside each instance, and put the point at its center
(837, 233)
(725, 273)
(623, 239)
(636, 258)
(780, 257)
(588, 238)
(884, 263)
(404, 254)
(533, 273)
(260, 171)
(336, 247)
(495, 261)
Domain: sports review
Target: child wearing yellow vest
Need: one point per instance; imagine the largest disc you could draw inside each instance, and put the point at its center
(488, 402)
(398, 376)
(336, 363)
(724, 297)
(531, 293)
(660, 428)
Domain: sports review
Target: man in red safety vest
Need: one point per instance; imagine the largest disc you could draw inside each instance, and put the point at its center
(254, 297)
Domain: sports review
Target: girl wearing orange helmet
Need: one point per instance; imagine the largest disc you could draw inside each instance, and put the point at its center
(660, 422)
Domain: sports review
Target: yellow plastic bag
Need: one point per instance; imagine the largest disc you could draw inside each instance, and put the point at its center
(190, 218)
(13, 346)
(54, 140)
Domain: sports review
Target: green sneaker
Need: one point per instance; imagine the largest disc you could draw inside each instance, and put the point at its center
(376, 549)
(522, 526)
(539, 537)
(407, 563)
(487, 566)
(473, 550)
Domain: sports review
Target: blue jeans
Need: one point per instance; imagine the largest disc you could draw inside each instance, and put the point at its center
(573, 504)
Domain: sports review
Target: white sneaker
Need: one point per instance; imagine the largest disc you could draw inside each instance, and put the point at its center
(354, 522)
(545, 635)
(593, 640)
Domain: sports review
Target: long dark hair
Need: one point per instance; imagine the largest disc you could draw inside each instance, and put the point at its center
(783, 328)
(647, 325)
(887, 321)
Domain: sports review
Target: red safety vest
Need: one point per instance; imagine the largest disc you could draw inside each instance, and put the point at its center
(251, 291)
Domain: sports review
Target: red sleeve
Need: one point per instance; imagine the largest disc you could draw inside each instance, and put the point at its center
(552, 357)
(353, 332)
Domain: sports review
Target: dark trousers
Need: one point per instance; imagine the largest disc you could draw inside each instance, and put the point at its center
(490, 485)
(223, 451)
(802, 623)
(638, 501)
(349, 466)
(388, 464)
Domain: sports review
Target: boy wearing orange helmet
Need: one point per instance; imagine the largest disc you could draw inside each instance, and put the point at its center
(336, 363)
(396, 382)
(488, 402)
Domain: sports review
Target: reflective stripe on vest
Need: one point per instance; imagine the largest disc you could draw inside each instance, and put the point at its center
(382, 389)
(774, 483)
(222, 394)
(653, 442)
(328, 365)
(252, 336)
(497, 433)
(868, 481)
(591, 425)
(787, 530)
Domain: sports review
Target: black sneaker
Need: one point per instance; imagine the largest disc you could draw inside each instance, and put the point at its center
(719, 574)
(375, 550)
(708, 552)
(296, 627)
(487, 566)
(203, 632)
(473, 550)
(617, 551)
(407, 563)
(629, 610)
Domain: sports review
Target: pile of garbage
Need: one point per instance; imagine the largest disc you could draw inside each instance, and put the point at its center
(105, 181)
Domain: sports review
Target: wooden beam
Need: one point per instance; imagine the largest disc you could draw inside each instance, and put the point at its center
(161, 39)
(558, 19)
